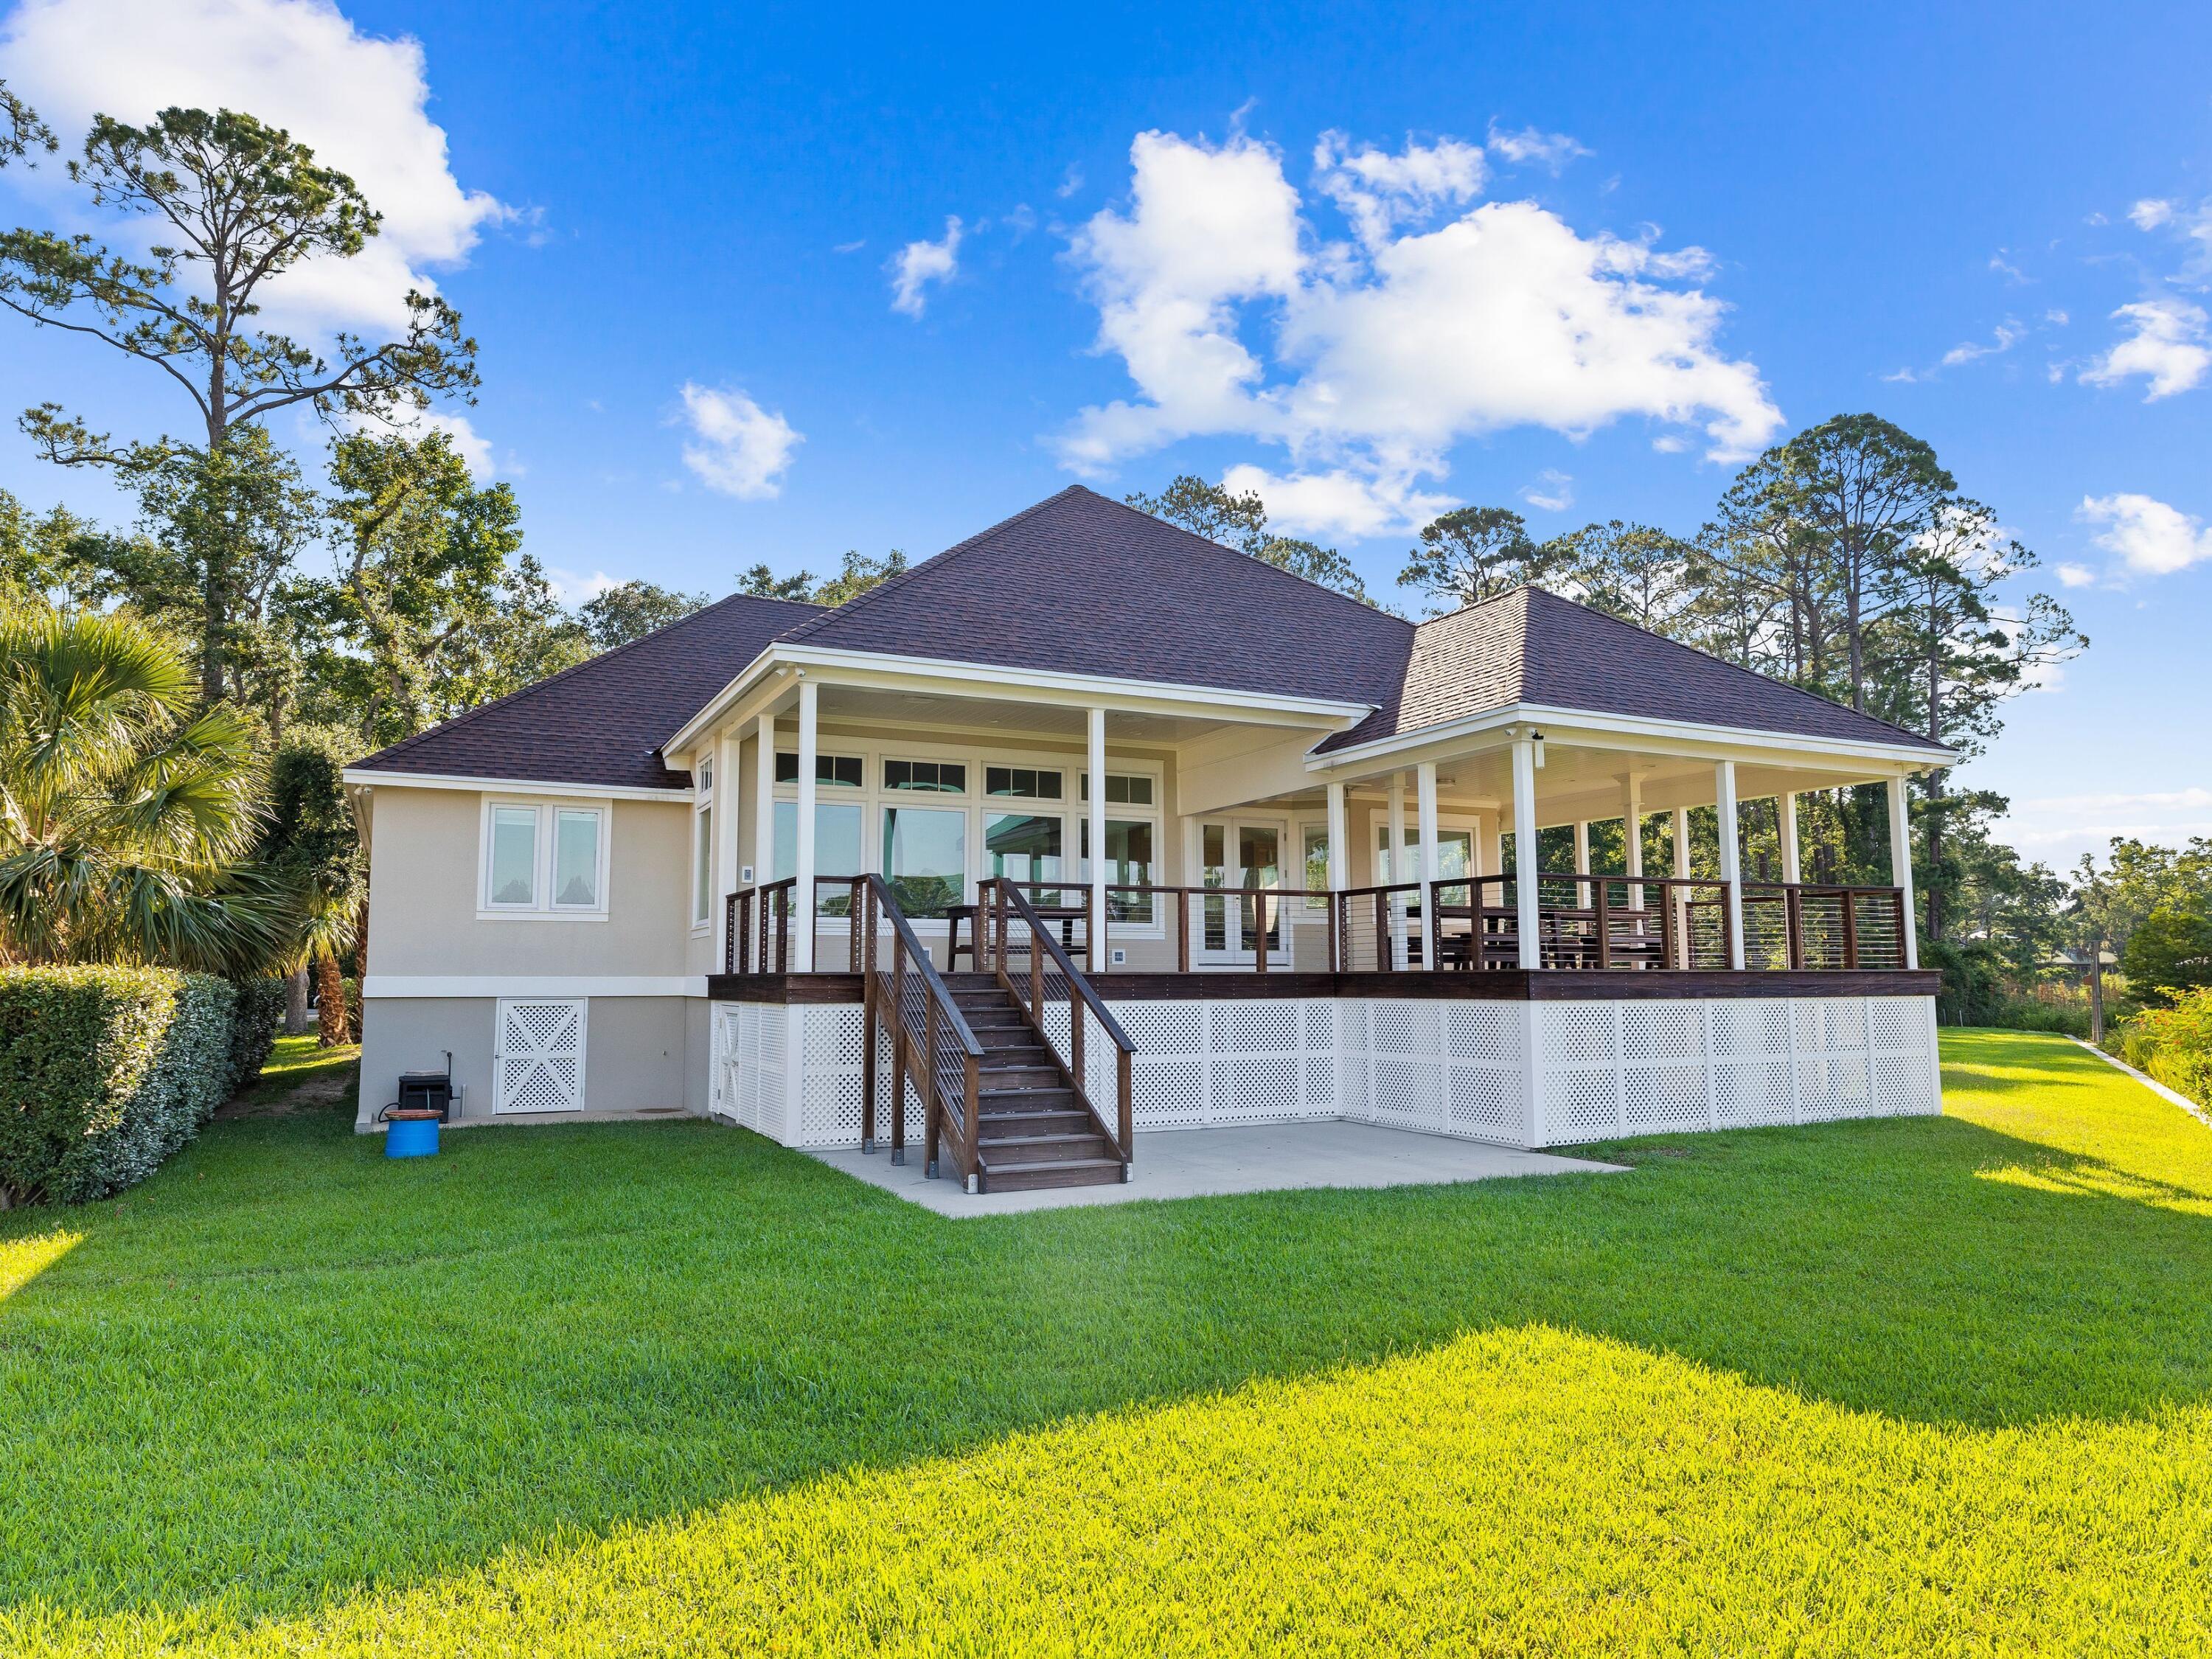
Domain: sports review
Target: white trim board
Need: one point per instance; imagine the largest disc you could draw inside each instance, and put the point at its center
(527, 985)
(864, 668)
(356, 775)
(1686, 739)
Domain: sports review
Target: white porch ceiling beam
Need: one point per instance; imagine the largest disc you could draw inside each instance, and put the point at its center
(939, 677)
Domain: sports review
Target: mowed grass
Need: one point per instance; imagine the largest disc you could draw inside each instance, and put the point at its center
(1918, 1387)
(294, 1060)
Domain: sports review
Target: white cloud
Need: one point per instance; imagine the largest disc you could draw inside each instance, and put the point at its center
(2150, 537)
(572, 588)
(2008, 335)
(1551, 149)
(1373, 358)
(2056, 318)
(1554, 491)
(918, 265)
(1337, 502)
(358, 100)
(740, 449)
(2150, 213)
(2167, 348)
(2076, 575)
(2060, 829)
(1069, 182)
(1378, 191)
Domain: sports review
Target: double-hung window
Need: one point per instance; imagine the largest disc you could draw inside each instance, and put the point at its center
(541, 860)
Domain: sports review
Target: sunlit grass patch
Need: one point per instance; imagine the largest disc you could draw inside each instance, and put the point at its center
(1915, 1386)
(23, 1260)
(1523, 1489)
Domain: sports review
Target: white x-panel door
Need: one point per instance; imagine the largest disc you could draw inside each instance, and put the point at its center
(539, 1057)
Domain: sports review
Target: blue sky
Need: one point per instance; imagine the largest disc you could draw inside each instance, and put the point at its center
(1319, 247)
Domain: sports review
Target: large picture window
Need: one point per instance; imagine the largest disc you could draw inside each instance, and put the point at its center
(1130, 861)
(925, 858)
(1023, 846)
(837, 850)
(543, 860)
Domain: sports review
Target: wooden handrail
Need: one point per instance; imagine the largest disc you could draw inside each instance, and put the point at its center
(944, 1028)
(1005, 902)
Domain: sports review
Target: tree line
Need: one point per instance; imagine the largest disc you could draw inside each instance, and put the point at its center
(180, 695)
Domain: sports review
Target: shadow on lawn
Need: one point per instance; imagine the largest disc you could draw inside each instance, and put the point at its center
(346, 1371)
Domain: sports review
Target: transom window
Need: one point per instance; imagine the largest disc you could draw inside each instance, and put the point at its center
(838, 771)
(941, 777)
(1123, 789)
(1022, 782)
(544, 860)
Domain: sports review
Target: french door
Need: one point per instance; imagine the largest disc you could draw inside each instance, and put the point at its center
(1236, 854)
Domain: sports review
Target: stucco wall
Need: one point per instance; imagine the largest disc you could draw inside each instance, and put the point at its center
(423, 886)
(639, 1051)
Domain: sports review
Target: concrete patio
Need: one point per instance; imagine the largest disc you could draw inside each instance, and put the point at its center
(1209, 1163)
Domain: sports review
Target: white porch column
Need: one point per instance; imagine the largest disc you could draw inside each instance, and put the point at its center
(728, 801)
(1787, 804)
(1424, 791)
(1581, 862)
(1527, 919)
(1731, 858)
(764, 802)
(1901, 867)
(1340, 847)
(1397, 869)
(1096, 931)
(802, 897)
(1681, 895)
(1632, 833)
(1490, 840)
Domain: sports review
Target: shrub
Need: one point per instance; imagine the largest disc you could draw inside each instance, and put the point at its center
(104, 1073)
(352, 1008)
(2032, 1014)
(2174, 1044)
(253, 1030)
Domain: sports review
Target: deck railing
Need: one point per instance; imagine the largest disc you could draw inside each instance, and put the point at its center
(1008, 926)
(932, 1049)
(1586, 921)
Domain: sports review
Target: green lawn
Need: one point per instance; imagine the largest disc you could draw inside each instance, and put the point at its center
(1918, 1387)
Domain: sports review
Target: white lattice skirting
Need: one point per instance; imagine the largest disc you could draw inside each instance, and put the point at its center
(1519, 1073)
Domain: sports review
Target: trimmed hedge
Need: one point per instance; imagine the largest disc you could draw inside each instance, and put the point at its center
(259, 1015)
(104, 1073)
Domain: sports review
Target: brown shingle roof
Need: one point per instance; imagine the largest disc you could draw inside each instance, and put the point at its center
(1081, 584)
(1534, 647)
(603, 720)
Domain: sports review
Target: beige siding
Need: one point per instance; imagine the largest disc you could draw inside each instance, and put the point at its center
(423, 877)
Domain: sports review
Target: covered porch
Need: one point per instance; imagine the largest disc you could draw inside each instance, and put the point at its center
(1283, 930)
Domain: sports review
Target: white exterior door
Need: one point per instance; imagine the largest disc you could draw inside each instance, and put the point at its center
(1239, 853)
(538, 1059)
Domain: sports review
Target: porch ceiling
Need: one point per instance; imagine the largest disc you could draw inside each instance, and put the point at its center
(877, 705)
(1578, 782)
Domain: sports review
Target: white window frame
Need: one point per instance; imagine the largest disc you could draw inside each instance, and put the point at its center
(871, 797)
(542, 907)
(701, 897)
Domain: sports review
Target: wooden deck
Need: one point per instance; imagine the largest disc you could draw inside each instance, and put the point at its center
(1491, 985)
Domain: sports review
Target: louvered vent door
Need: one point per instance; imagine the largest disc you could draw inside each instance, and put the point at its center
(539, 1060)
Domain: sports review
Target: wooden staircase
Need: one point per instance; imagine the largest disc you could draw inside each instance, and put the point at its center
(1034, 1129)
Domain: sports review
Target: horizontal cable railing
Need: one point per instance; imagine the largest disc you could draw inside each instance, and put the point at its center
(933, 1048)
(1009, 925)
(1585, 921)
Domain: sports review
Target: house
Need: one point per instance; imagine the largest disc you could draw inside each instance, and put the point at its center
(1089, 826)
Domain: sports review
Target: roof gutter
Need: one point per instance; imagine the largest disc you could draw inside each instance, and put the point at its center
(1909, 757)
(369, 777)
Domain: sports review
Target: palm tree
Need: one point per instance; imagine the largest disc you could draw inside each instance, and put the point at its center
(127, 812)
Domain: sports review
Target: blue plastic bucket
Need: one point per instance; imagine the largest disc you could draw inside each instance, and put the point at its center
(411, 1137)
